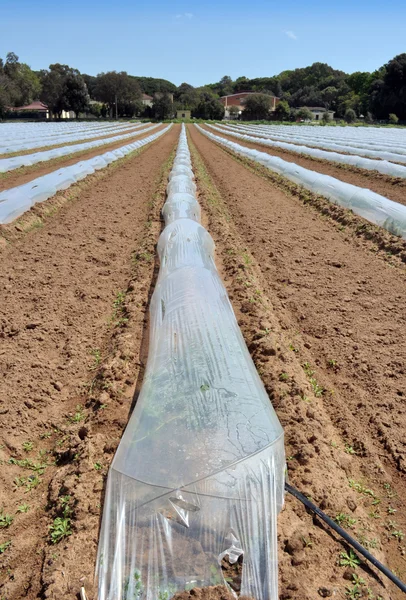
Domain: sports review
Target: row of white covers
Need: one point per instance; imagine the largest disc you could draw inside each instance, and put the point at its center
(20, 132)
(199, 473)
(371, 206)
(35, 141)
(26, 160)
(15, 201)
(357, 136)
(382, 166)
(364, 147)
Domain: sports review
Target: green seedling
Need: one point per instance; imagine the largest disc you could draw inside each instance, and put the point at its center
(3, 547)
(332, 363)
(23, 508)
(27, 463)
(345, 520)
(78, 416)
(98, 466)
(349, 559)
(28, 446)
(60, 529)
(391, 511)
(349, 449)
(5, 520)
(97, 358)
(46, 435)
(283, 377)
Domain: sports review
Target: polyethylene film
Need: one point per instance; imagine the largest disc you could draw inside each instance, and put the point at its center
(199, 473)
(382, 166)
(371, 206)
(15, 201)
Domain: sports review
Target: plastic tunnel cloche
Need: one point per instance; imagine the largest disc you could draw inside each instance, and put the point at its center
(199, 473)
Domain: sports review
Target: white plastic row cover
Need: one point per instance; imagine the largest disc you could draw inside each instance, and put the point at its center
(20, 132)
(371, 206)
(81, 134)
(377, 137)
(382, 166)
(16, 201)
(26, 160)
(199, 473)
(382, 149)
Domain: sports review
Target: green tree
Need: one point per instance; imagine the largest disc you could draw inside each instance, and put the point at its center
(350, 115)
(393, 119)
(163, 107)
(304, 113)
(52, 81)
(234, 111)
(257, 107)
(115, 89)
(74, 94)
(282, 111)
(326, 117)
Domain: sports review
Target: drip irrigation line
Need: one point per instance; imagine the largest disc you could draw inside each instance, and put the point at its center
(348, 538)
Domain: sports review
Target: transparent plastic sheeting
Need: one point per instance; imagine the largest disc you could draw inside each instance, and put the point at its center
(35, 140)
(363, 202)
(26, 160)
(199, 473)
(16, 201)
(357, 137)
(19, 132)
(382, 166)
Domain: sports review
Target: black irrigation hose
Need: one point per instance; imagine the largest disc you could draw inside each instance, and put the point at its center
(349, 539)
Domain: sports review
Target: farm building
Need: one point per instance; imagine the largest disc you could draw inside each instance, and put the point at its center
(37, 108)
(318, 112)
(147, 100)
(238, 100)
(183, 114)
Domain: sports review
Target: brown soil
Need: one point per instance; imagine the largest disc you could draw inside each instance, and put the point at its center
(77, 273)
(393, 188)
(69, 362)
(53, 146)
(312, 294)
(25, 174)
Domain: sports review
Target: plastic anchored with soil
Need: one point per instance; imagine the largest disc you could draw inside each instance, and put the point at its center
(371, 206)
(16, 201)
(199, 473)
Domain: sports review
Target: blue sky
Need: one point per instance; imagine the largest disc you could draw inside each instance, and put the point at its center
(199, 42)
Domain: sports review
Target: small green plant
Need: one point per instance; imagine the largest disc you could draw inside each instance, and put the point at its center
(98, 466)
(318, 390)
(23, 508)
(5, 520)
(204, 387)
(247, 259)
(360, 488)
(97, 358)
(391, 511)
(78, 415)
(60, 529)
(3, 547)
(332, 363)
(349, 449)
(46, 435)
(27, 463)
(283, 377)
(293, 348)
(28, 446)
(345, 520)
(398, 534)
(307, 542)
(349, 559)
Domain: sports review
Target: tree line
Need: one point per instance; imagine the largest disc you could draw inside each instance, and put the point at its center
(373, 95)
(377, 95)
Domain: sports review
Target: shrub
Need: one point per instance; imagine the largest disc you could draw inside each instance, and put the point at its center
(393, 119)
(350, 115)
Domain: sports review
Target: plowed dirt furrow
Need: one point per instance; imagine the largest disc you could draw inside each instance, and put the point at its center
(62, 298)
(25, 174)
(390, 187)
(341, 312)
